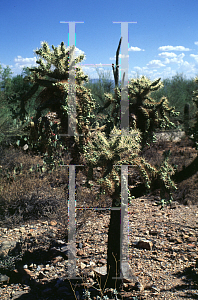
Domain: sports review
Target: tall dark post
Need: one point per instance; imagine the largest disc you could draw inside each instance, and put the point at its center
(116, 69)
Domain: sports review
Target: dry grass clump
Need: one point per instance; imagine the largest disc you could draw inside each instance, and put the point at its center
(26, 194)
(35, 195)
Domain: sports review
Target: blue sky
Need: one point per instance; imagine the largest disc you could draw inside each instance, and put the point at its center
(162, 43)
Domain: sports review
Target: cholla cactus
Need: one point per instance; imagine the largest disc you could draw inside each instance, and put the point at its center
(118, 149)
(144, 113)
(53, 74)
(108, 154)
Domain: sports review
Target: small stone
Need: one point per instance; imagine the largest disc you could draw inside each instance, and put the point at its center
(154, 288)
(80, 245)
(45, 222)
(145, 245)
(92, 263)
(38, 268)
(178, 241)
(4, 279)
(185, 236)
(25, 267)
(25, 147)
(58, 259)
(53, 223)
(16, 229)
(82, 265)
(157, 214)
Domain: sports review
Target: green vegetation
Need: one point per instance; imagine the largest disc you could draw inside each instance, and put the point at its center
(28, 97)
(179, 91)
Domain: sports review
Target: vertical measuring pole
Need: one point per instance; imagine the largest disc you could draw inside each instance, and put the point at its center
(124, 76)
(72, 85)
(71, 272)
(71, 130)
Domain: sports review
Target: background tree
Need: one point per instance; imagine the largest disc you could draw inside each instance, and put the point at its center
(178, 90)
(6, 79)
(12, 89)
(99, 89)
(191, 169)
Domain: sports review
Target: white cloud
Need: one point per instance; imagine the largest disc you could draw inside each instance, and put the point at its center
(138, 69)
(79, 52)
(167, 54)
(196, 43)
(21, 62)
(120, 56)
(135, 49)
(194, 56)
(26, 60)
(155, 64)
(173, 48)
(178, 59)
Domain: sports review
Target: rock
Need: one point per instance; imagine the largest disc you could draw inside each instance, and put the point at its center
(7, 247)
(25, 147)
(127, 273)
(53, 223)
(82, 265)
(25, 267)
(80, 245)
(4, 279)
(145, 245)
(101, 271)
(60, 248)
(154, 288)
(92, 263)
(178, 241)
(58, 258)
(22, 230)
